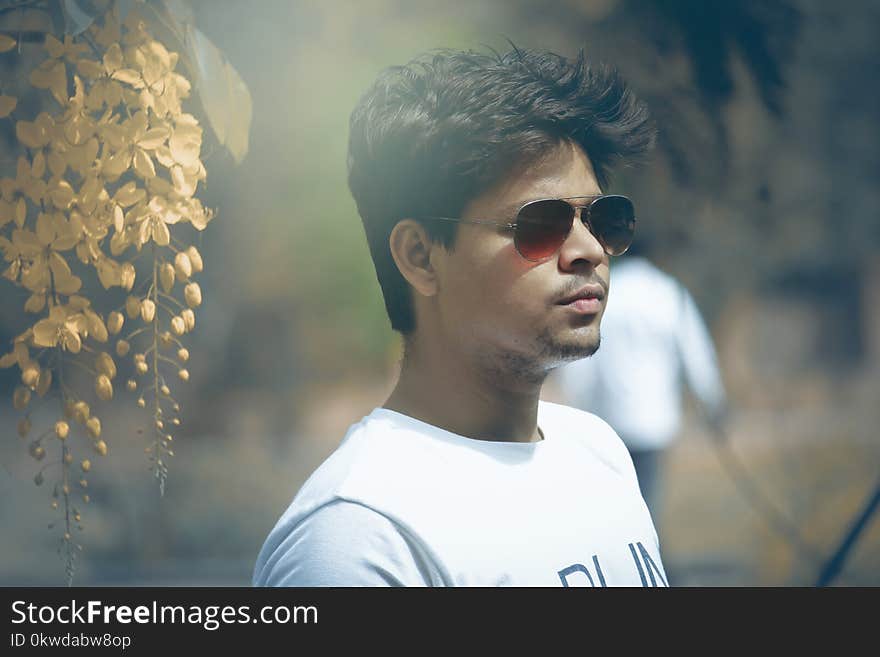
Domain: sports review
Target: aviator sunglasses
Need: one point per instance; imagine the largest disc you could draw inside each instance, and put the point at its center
(541, 227)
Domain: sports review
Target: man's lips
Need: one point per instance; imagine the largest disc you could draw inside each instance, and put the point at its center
(592, 291)
(587, 300)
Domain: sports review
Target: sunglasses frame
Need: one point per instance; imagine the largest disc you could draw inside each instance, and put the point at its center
(585, 219)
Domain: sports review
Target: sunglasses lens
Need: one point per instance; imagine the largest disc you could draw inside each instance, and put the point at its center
(614, 222)
(542, 227)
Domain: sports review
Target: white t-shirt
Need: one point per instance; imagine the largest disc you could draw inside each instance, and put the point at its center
(653, 339)
(404, 503)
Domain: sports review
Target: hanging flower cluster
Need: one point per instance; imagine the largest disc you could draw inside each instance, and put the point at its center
(104, 183)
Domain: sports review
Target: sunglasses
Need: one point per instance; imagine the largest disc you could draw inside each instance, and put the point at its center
(542, 226)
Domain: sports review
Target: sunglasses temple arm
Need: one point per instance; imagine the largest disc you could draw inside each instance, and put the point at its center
(472, 221)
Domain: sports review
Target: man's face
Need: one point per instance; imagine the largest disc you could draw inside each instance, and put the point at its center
(506, 310)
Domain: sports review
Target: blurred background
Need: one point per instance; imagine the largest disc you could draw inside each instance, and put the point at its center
(763, 197)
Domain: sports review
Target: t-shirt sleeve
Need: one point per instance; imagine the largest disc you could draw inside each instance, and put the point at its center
(625, 465)
(614, 450)
(344, 543)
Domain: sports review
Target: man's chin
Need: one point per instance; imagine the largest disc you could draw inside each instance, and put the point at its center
(561, 352)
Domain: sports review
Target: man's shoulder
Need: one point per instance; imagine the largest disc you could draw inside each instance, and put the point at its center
(571, 419)
(340, 543)
(360, 452)
(588, 430)
(372, 466)
(347, 524)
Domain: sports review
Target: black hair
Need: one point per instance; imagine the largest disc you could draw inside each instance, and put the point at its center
(430, 136)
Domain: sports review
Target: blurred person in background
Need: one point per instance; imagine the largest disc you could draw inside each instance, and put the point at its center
(480, 182)
(653, 340)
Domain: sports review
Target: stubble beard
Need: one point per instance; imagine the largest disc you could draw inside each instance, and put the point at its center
(554, 353)
(533, 368)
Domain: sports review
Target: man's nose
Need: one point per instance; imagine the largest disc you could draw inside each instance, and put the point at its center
(581, 245)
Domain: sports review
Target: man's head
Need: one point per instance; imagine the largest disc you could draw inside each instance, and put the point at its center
(475, 136)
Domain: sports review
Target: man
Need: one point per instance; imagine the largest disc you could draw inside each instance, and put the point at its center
(653, 339)
(479, 180)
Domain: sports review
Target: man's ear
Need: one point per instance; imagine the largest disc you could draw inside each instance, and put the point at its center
(411, 249)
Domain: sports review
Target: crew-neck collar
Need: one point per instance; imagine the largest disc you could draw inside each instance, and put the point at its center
(396, 417)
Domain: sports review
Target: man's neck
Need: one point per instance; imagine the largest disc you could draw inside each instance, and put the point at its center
(465, 397)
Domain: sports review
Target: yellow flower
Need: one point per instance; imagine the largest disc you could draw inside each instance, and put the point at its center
(30, 374)
(37, 451)
(155, 86)
(189, 318)
(195, 258)
(80, 158)
(192, 293)
(46, 266)
(80, 411)
(185, 144)
(28, 183)
(107, 33)
(115, 320)
(103, 387)
(60, 328)
(105, 90)
(95, 327)
(181, 157)
(78, 125)
(51, 74)
(19, 354)
(132, 307)
(93, 427)
(35, 303)
(105, 365)
(128, 275)
(196, 213)
(178, 327)
(109, 272)
(131, 143)
(47, 141)
(69, 49)
(90, 194)
(36, 133)
(166, 276)
(60, 193)
(62, 429)
(182, 265)
(151, 221)
(148, 310)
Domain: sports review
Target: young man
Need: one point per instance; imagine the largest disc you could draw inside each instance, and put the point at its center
(479, 180)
